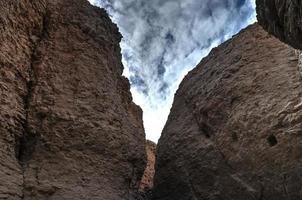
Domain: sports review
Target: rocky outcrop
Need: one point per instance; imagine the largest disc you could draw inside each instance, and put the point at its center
(282, 19)
(235, 127)
(147, 180)
(69, 129)
(146, 184)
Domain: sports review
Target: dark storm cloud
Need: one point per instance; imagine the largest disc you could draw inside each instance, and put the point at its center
(163, 39)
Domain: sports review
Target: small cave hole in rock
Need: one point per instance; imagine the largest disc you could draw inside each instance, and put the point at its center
(272, 140)
(25, 145)
(205, 129)
(234, 137)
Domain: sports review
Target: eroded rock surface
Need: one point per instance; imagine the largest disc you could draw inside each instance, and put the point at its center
(69, 129)
(282, 18)
(147, 180)
(146, 184)
(235, 128)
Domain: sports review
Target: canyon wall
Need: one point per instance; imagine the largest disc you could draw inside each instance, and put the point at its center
(69, 128)
(235, 127)
(282, 18)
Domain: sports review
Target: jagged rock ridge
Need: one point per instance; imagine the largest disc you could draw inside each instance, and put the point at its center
(234, 131)
(69, 129)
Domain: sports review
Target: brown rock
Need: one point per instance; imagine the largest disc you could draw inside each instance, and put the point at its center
(282, 18)
(147, 180)
(69, 129)
(235, 128)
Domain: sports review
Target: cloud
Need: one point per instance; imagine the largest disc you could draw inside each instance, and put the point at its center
(163, 40)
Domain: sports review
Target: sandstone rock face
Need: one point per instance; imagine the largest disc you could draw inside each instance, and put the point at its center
(69, 129)
(235, 127)
(147, 180)
(282, 18)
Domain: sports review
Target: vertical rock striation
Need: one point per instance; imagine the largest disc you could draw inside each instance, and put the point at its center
(235, 127)
(69, 128)
(282, 18)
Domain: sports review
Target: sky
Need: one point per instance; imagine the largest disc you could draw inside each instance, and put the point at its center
(164, 39)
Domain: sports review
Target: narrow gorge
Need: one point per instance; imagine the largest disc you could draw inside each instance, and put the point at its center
(69, 128)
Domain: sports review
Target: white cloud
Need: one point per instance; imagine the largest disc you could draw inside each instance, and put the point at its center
(163, 40)
(92, 1)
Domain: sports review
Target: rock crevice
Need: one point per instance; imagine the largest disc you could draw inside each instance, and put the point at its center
(28, 140)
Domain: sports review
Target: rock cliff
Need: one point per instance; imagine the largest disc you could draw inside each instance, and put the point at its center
(235, 127)
(282, 18)
(69, 129)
